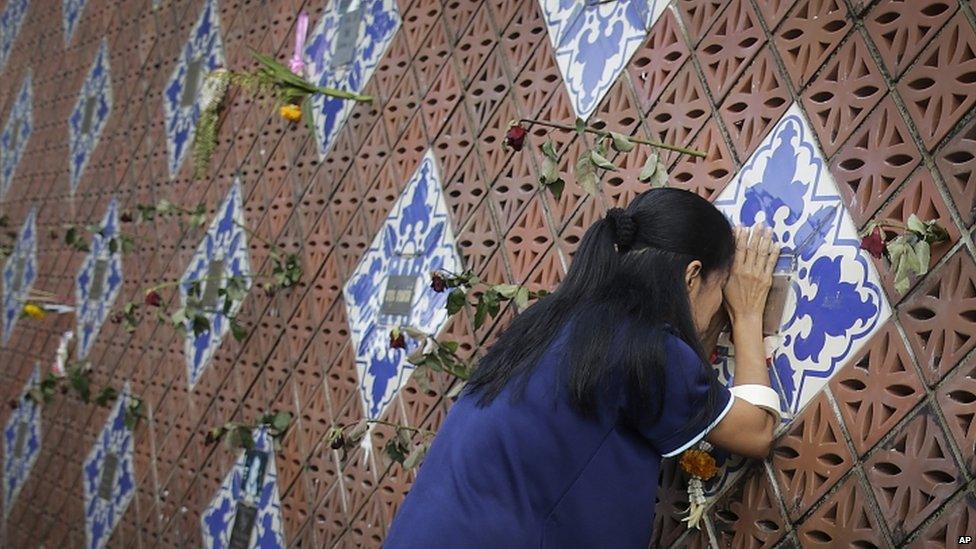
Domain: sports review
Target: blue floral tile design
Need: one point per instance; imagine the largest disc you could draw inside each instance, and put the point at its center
(247, 485)
(835, 302)
(21, 443)
(182, 99)
(16, 133)
(90, 115)
(593, 42)
(415, 239)
(223, 253)
(108, 476)
(11, 19)
(70, 15)
(19, 274)
(98, 281)
(342, 52)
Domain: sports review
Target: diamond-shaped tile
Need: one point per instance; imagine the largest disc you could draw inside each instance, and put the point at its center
(71, 11)
(749, 515)
(19, 274)
(11, 19)
(222, 254)
(108, 476)
(957, 398)
(835, 301)
(16, 132)
(389, 287)
(342, 52)
(90, 115)
(21, 442)
(182, 100)
(248, 496)
(98, 281)
(845, 519)
(594, 41)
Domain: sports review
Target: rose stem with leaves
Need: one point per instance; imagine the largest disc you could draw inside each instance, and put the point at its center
(602, 134)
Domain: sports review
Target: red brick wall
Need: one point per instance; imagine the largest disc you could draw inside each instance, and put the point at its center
(885, 455)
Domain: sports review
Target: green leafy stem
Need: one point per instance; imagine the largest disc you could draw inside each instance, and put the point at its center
(77, 378)
(237, 434)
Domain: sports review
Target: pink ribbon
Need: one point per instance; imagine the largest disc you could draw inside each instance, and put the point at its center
(296, 64)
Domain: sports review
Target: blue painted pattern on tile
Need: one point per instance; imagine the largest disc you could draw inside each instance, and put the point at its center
(415, 239)
(17, 282)
(103, 515)
(217, 520)
(379, 23)
(70, 14)
(225, 241)
(92, 310)
(16, 133)
(97, 87)
(16, 468)
(835, 302)
(203, 46)
(11, 20)
(594, 41)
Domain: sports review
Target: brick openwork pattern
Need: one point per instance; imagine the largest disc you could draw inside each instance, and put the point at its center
(885, 456)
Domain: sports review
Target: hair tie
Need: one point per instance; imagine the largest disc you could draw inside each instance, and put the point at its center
(623, 226)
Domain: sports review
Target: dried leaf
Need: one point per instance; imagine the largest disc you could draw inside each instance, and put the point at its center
(586, 176)
(660, 177)
(621, 143)
(649, 168)
(601, 161)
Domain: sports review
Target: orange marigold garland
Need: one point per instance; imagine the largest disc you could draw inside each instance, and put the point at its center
(700, 466)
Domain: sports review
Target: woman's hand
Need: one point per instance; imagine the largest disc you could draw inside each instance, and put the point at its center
(752, 272)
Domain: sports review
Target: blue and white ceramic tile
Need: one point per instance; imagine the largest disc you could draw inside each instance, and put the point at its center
(102, 515)
(415, 239)
(377, 25)
(11, 19)
(217, 520)
(71, 14)
(92, 310)
(17, 467)
(593, 42)
(98, 86)
(835, 302)
(17, 285)
(225, 240)
(20, 121)
(204, 46)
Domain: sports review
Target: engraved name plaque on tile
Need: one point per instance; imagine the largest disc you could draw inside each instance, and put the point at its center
(783, 275)
(19, 267)
(215, 274)
(194, 70)
(244, 518)
(89, 114)
(20, 439)
(347, 36)
(14, 134)
(98, 279)
(107, 481)
(399, 295)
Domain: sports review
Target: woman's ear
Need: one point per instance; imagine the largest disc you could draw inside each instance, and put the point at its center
(692, 272)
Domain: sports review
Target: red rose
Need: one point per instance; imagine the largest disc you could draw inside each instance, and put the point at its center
(153, 299)
(874, 243)
(397, 341)
(515, 137)
(437, 282)
(125, 217)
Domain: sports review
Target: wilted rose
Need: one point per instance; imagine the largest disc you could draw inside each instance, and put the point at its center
(437, 282)
(515, 137)
(153, 299)
(874, 243)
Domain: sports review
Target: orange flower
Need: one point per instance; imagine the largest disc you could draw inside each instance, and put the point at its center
(698, 463)
(34, 311)
(292, 113)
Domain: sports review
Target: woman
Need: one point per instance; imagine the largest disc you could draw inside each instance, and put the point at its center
(558, 438)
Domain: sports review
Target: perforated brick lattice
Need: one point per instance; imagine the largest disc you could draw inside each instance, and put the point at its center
(98, 102)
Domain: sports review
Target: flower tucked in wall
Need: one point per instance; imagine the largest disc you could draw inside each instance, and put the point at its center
(907, 247)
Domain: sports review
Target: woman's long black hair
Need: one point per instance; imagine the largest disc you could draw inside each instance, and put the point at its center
(629, 270)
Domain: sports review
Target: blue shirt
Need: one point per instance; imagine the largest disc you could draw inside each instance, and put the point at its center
(534, 472)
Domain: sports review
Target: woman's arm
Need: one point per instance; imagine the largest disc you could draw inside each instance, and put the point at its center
(748, 429)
